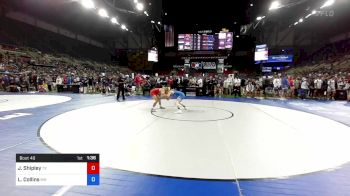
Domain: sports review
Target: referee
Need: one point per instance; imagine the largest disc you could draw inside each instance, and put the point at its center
(121, 87)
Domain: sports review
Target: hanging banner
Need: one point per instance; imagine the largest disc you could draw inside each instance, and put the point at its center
(209, 65)
(196, 65)
(280, 59)
(179, 66)
(220, 67)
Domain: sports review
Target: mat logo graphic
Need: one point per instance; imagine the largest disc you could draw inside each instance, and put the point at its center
(15, 115)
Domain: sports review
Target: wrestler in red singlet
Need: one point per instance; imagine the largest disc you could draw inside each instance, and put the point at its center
(155, 92)
(156, 95)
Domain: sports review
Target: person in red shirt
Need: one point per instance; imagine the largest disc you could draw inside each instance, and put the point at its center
(170, 82)
(65, 79)
(291, 86)
(138, 80)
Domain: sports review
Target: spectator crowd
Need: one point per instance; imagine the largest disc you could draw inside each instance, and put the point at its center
(45, 73)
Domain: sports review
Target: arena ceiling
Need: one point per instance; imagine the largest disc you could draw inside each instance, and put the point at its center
(186, 15)
(71, 15)
(199, 14)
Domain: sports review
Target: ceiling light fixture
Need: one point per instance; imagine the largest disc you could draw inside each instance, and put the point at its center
(88, 4)
(103, 13)
(275, 5)
(139, 6)
(328, 3)
(114, 20)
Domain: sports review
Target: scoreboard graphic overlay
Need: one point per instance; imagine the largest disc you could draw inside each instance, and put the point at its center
(57, 169)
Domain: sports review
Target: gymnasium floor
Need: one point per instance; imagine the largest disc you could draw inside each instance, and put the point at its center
(216, 147)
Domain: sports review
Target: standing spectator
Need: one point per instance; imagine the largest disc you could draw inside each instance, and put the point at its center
(297, 84)
(219, 88)
(200, 82)
(250, 89)
(41, 81)
(331, 88)
(26, 81)
(6, 82)
(242, 89)
(347, 88)
(84, 82)
(304, 88)
(324, 88)
(91, 87)
(258, 86)
(226, 83)
(266, 83)
(340, 83)
(41, 84)
(236, 87)
(153, 82)
(175, 83)
(158, 82)
(311, 88)
(285, 86)
(70, 79)
(318, 87)
(193, 81)
(138, 82)
(48, 80)
(185, 82)
(76, 80)
(59, 80)
(291, 86)
(170, 82)
(146, 86)
(121, 87)
(65, 79)
(277, 83)
(35, 81)
(211, 86)
(205, 87)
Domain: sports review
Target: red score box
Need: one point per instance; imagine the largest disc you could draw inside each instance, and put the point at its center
(93, 168)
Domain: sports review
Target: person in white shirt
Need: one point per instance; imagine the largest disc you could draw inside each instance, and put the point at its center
(219, 89)
(225, 86)
(304, 84)
(318, 87)
(277, 83)
(318, 83)
(236, 86)
(258, 86)
(200, 82)
(193, 81)
(250, 89)
(304, 88)
(340, 84)
(76, 80)
(229, 82)
(331, 88)
(347, 88)
(59, 80)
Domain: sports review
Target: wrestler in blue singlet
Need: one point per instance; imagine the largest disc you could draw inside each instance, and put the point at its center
(179, 94)
(179, 97)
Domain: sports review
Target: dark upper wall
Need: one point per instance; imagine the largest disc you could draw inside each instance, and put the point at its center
(277, 30)
(21, 34)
